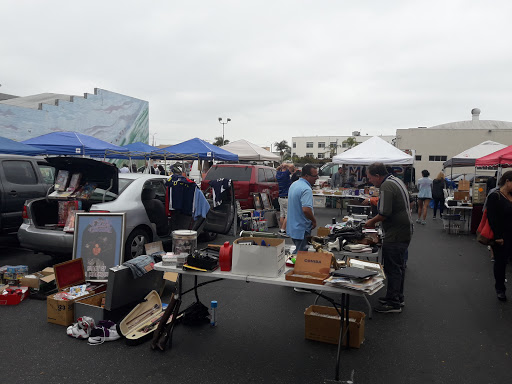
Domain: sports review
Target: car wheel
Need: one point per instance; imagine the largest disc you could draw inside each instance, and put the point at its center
(135, 244)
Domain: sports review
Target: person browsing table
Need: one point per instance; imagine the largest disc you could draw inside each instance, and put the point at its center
(395, 215)
(301, 219)
(283, 176)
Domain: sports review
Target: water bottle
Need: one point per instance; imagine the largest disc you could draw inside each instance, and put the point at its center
(213, 306)
(333, 220)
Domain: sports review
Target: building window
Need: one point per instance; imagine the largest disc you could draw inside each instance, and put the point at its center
(333, 144)
(437, 158)
(309, 154)
(344, 145)
(321, 144)
(294, 144)
(293, 153)
(417, 157)
(321, 156)
(309, 144)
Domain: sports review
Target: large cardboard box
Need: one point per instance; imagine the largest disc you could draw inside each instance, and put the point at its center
(323, 324)
(463, 195)
(43, 280)
(258, 260)
(311, 267)
(68, 274)
(463, 185)
(319, 201)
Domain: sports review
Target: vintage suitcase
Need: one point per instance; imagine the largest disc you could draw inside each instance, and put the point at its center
(68, 274)
(138, 326)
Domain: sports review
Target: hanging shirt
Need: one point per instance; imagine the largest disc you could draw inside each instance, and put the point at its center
(219, 186)
(181, 193)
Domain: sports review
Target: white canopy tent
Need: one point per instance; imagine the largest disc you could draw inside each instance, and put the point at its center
(249, 151)
(468, 157)
(374, 150)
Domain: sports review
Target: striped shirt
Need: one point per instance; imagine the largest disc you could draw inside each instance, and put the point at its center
(395, 207)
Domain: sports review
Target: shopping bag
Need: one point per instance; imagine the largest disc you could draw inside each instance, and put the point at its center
(484, 234)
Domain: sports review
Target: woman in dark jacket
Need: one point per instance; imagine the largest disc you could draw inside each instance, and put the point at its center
(438, 184)
(161, 169)
(499, 214)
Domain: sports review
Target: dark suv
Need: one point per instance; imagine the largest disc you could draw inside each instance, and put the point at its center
(247, 180)
(21, 178)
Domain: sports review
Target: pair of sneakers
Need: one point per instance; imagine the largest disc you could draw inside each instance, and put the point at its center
(387, 307)
(86, 329)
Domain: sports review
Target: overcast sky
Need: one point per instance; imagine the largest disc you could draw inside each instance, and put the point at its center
(277, 68)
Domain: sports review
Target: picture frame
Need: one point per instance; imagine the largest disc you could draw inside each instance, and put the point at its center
(265, 200)
(99, 241)
(257, 201)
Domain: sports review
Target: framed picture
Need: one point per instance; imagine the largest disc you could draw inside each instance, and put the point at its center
(265, 201)
(98, 240)
(257, 201)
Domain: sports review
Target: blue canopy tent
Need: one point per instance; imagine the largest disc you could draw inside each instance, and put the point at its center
(194, 149)
(73, 143)
(14, 148)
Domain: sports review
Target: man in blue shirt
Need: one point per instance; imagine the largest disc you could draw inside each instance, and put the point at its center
(283, 176)
(301, 219)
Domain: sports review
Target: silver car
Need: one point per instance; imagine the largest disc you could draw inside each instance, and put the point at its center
(40, 233)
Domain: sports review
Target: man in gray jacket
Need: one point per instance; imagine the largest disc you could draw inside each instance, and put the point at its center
(395, 215)
(337, 180)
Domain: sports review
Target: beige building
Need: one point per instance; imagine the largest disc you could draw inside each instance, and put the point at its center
(319, 147)
(433, 146)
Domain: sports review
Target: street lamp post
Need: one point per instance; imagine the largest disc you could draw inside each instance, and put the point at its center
(223, 124)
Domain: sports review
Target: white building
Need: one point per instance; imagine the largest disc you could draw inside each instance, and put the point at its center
(319, 147)
(432, 146)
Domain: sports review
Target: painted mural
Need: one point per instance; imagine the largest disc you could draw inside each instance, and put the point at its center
(108, 116)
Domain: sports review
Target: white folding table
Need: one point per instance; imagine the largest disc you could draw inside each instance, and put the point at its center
(280, 280)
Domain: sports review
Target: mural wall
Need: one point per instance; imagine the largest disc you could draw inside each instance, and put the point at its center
(108, 116)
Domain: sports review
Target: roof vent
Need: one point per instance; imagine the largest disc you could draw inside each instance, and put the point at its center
(356, 133)
(475, 112)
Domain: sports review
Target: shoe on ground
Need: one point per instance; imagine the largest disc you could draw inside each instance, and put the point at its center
(387, 308)
(384, 301)
(301, 290)
(433, 218)
(105, 331)
(282, 233)
(82, 328)
(423, 222)
(418, 221)
(501, 296)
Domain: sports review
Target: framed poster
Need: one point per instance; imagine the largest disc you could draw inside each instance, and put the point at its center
(99, 241)
(265, 200)
(257, 201)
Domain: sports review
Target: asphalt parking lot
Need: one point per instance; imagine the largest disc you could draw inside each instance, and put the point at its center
(452, 330)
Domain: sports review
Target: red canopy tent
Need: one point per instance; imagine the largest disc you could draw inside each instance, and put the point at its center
(501, 158)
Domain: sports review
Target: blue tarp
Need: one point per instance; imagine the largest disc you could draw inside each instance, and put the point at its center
(73, 143)
(14, 148)
(197, 148)
(140, 147)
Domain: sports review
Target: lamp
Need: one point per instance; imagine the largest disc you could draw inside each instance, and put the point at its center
(223, 124)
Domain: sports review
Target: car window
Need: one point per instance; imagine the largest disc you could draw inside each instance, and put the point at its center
(233, 173)
(48, 173)
(97, 196)
(19, 172)
(159, 188)
(123, 183)
(269, 176)
(261, 175)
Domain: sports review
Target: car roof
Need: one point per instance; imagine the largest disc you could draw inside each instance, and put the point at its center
(135, 176)
(242, 165)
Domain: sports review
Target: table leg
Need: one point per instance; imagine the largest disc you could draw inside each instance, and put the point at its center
(344, 310)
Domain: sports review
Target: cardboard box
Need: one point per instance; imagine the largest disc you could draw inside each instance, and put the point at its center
(42, 281)
(311, 267)
(464, 195)
(323, 324)
(463, 185)
(323, 231)
(258, 260)
(68, 274)
(14, 298)
(319, 201)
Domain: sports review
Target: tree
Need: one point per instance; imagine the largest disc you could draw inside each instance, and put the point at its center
(218, 141)
(283, 148)
(350, 142)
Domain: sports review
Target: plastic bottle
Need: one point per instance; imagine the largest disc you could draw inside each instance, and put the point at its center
(226, 257)
(213, 306)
